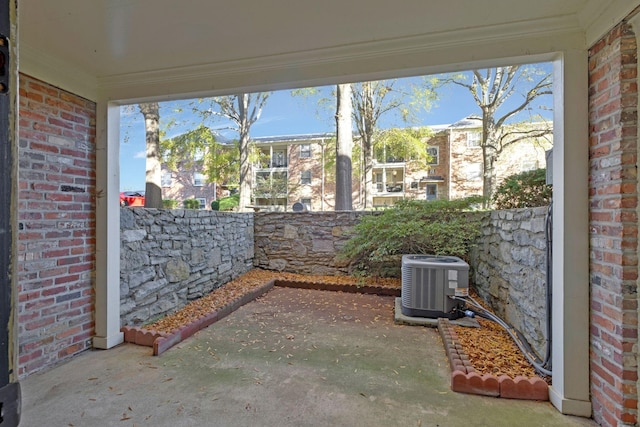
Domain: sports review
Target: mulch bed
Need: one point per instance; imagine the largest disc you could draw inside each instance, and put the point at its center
(489, 348)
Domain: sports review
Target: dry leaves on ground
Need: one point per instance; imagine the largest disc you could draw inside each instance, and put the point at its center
(245, 284)
(490, 349)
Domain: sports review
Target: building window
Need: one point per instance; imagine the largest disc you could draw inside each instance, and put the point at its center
(198, 179)
(432, 191)
(473, 171)
(305, 177)
(474, 139)
(166, 179)
(203, 202)
(306, 203)
(279, 159)
(305, 151)
(434, 154)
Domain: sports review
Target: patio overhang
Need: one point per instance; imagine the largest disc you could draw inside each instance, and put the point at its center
(116, 52)
(159, 49)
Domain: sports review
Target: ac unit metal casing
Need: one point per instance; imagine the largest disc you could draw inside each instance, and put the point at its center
(429, 282)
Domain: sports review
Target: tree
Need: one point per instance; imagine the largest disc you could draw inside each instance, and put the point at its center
(344, 148)
(492, 89)
(200, 149)
(371, 101)
(242, 110)
(153, 181)
(408, 144)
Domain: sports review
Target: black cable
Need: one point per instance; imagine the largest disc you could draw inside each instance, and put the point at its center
(515, 335)
(549, 237)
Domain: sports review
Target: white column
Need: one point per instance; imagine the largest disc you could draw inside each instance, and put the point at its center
(570, 390)
(107, 304)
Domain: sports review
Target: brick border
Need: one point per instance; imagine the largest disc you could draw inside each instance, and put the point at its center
(161, 341)
(465, 379)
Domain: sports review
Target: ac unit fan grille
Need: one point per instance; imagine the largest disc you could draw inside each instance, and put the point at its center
(429, 284)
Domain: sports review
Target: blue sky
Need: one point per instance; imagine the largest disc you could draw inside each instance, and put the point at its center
(283, 114)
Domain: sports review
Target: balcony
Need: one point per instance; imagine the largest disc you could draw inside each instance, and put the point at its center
(393, 189)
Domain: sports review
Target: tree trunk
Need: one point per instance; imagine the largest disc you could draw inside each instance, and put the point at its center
(488, 177)
(153, 185)
(245, 167)
(489, 154)
(367, 150)
(368, 126)
(344, 149)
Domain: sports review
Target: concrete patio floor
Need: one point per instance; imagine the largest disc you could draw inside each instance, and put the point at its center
(291, 358)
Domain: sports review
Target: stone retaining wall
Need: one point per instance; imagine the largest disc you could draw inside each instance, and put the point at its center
(169, 257)
(509, 270)
(303, 242)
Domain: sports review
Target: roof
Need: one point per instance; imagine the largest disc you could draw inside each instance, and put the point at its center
(294, 138)
(471, 121)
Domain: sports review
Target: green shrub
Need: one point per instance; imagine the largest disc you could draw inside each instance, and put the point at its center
(169, 203)
(215, 205)
(523, 190)
(439, 227)
(229, 203)
(191, 204)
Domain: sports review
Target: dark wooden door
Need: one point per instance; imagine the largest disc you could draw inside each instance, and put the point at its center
(9, 386)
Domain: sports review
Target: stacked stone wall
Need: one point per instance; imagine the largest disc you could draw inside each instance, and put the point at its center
(170, 257)
(509, 270)
(303, 242)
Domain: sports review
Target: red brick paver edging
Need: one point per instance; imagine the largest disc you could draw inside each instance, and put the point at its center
(465, 379)
(161, 341)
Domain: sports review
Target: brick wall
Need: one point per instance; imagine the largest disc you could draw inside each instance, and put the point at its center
(56, 238)
(613, 99)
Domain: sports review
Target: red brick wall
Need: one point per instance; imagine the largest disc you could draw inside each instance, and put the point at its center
(56, 238)
(613, 100)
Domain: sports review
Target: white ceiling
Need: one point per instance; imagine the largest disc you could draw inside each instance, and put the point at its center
(114, 41)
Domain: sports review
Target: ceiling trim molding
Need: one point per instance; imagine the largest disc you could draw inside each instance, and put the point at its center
(56, 72)
(293, 64)
(599, 16)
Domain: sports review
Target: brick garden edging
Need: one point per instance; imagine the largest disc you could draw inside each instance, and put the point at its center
(465, 379)
(161, 341)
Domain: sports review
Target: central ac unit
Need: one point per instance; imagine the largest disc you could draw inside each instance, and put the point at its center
(430, 282)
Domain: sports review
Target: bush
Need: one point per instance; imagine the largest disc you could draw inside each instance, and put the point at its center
(523, 190)
(215, 205)
(229, 203)
(191, 204)
(169, 203)
(438, 227)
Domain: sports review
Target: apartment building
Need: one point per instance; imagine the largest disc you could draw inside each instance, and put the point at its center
(298, 169)
(189, 183)
(293, 169)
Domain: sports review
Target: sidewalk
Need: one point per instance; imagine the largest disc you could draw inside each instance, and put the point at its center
(291, 358)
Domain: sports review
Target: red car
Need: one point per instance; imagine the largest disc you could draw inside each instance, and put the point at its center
(132, 198)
